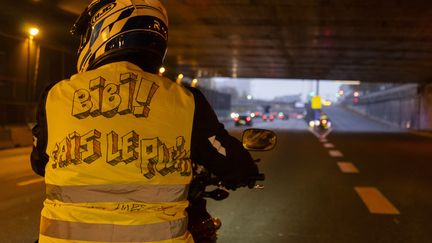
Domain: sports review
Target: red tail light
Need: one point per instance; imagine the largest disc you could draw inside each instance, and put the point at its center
(248, 119)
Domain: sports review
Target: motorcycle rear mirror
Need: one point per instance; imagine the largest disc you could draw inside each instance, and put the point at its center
(259, 139)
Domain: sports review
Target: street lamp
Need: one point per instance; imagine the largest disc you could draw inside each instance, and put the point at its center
(32, 32)
(161, 71)
(179, 78)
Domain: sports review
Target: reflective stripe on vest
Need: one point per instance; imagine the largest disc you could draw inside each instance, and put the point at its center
(113, 232)
(117, 193)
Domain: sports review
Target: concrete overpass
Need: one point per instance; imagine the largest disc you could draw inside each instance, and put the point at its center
(363, 40)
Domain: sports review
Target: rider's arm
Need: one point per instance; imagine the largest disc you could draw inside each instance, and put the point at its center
(215, 149)
(38, 156)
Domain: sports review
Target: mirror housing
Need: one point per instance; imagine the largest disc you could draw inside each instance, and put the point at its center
(259, 139)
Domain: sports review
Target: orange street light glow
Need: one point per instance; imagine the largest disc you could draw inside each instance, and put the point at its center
(33, 32)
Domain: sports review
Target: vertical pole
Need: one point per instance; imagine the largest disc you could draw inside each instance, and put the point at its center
(317, 88)
(28, 70)
(36, 72)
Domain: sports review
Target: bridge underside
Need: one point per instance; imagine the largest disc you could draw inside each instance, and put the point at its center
(368, 40)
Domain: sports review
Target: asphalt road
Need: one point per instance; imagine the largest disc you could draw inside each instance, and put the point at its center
(357, 185)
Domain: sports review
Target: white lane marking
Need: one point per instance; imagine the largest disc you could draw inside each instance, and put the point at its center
(323, 140)
(29, 182)
(314, 133)
(347, 167)
(335, 153)
(328, 145)
(321, 137)
(326, 133)
(375, 201)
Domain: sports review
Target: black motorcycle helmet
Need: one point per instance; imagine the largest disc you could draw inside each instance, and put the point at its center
(122, 30)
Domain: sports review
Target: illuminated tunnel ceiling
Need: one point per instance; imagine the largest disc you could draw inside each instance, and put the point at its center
(368, 40)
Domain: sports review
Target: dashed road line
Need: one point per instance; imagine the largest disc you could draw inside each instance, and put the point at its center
(375, 201)
(328, 145)
(326, 133)
(29, 182)
(347, 167)
(335, 153)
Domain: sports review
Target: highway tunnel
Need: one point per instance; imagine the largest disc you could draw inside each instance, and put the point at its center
(261, 64)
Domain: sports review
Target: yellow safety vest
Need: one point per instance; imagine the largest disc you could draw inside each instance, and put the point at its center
(119, 158)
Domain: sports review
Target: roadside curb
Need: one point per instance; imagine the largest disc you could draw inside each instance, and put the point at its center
(422, 134)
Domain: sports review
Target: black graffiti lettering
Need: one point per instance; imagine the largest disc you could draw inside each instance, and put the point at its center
(96, 87)
(130, 207)
(170, 165)
(114, 154)
(125, 152)
(149, 157)
(127, 91)
(153, 158)
(54, 155)
(136, 207)
(180, 152)
(144, 96)
(75, 141)
(110, 99)
(128, 77)
(157, 157)
(81, 104)
(67, 152)
(124, 207)
(90, 146)
(129, 145)
(184, 167)
(163, 159)
(63, 153)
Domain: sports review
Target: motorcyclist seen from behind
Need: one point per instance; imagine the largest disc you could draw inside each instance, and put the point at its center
(116, 141)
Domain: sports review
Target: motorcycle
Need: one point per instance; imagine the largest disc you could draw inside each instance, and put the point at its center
(322, 126)
(202, 225)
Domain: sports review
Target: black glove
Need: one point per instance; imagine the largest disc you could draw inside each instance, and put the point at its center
(233, 184)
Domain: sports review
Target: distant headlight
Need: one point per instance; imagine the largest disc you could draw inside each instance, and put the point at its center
(312, 123)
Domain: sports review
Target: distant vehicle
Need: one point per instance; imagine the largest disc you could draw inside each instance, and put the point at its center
(282, 116)
(243, 120)
(256, 114)
(323, 123)
(268, 117)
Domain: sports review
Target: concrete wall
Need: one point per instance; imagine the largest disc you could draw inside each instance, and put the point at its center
(406, 106)
(425, 121)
